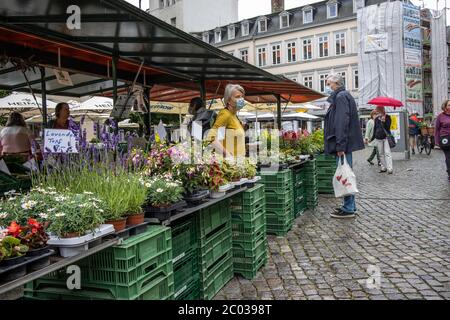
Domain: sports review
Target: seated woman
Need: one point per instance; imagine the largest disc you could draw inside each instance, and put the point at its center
(16, 139)
(62, 113)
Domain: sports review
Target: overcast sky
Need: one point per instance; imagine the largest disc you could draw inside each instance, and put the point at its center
(253, 8)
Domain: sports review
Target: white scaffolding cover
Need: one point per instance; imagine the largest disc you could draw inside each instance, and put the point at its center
(439, 60)
(381, 73)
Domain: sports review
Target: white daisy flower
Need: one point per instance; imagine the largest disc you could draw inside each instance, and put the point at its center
(159, 190)
(3, 215)
(43, 215)
(58, 215)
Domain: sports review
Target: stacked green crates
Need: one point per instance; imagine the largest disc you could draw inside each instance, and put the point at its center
(300, 204)
(185, 259)
(215, 248)
(326, 167)
(138, 269)
(249, 231)
(279, 201)
(310, 182)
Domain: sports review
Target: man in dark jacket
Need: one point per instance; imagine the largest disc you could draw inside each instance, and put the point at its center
(342, 133)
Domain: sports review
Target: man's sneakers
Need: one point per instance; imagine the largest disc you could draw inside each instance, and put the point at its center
(339, 214)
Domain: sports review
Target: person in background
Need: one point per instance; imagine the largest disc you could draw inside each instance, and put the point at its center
(442, 133)
(228, 120)
(413, 131)
(369, 141)
(16, 139)
(196, 106)
(62, 113)
(381, 130)
(342, 133)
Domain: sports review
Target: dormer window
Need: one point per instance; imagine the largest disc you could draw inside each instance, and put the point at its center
(332, 9)
(262, 25)
(284, 20)
(357, 4)
(231, 32)
(205, 37)
(307, 15)
(217, 36)
(245, 28)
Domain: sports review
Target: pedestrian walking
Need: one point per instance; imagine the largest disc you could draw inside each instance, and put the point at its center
(342, 133)
(442, 133)
(413, 131)
(369, 140)
(381, 131)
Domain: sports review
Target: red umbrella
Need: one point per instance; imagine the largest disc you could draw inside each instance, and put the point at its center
(386, 102)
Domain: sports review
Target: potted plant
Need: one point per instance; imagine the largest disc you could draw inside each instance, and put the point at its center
(135, 197)
(194, 182)
(11, 250)
(164, 196)
(217, 182)
(76, 216)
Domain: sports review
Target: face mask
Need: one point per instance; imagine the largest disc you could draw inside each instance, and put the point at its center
(240, 103)
(328, 90)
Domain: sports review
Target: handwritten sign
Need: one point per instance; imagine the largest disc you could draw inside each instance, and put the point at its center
(59, 141)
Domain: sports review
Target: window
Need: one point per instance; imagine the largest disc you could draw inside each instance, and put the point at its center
(173, 2)
(245, 28)
(262, 25)
(168, 3)
(323, 82)
(244, 54)
(332, 10)
(161, 4)
(307, 49)
(308, 81)
(344, 78)
(173, 22)
(358, 4)
(307, 15)
(262, 58)
(231, 32)
(323, 46)
(292, 77)
(276, 54)
(291, 51)
(206, 37)
(355, 79)
(340, 43)
(218, 36)
(284, 20)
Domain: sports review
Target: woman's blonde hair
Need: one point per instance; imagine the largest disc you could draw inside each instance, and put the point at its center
(229, 89)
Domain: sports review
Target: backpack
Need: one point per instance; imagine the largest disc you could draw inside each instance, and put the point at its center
(207, 118)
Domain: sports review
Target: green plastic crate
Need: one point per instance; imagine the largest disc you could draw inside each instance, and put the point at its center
(147, 287)
(216, 277)
(284, 175)
(275, 200)
(184, 238)
(279, 230)
(279, 219)
(279, 210)
(184, 271)
(248, 209)
(213, 217)
(244, 252)
(253, 195)
(243, 229)
(216, 247)
(251, 266)
(190, 291)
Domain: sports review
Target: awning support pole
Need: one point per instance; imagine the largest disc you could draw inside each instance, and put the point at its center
(148, 116)
(278, 111)
(203, 92)
(44, 97)
(114, 74)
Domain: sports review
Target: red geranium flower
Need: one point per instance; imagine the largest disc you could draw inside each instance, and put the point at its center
(14, 229)
(34, 223)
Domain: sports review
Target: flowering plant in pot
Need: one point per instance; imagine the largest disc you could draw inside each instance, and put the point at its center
(217, 181)
(134, 196)
(192, 178)
(77, 215)
(32, 235)
(163, 192)
(10, 248)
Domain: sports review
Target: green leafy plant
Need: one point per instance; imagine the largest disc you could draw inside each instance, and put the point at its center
(163, 192)
(250, 169)
(10, 247)
(192, 177)
(215, 176)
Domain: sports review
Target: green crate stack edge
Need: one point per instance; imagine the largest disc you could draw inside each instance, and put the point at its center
(185, 259)
(215, 248)
(279, 201)
(309, 175)
(326, 167)
(248, 218)
(139, 269)
(300, 204)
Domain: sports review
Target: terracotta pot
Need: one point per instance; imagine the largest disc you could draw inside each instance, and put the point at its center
(119, 224)
(71, 235)
(135, 219)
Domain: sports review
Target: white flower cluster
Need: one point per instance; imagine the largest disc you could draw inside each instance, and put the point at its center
(30, 204)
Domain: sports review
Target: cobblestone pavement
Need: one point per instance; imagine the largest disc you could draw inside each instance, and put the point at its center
(402, 228)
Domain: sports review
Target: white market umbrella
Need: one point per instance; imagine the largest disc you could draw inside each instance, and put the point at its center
(299, 116)
(23, 102)
(305, 106)
(127, 124)
(245, 114)
(263, 116)
(95, 104)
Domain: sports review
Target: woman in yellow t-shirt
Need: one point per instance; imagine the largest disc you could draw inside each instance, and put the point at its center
(227, 134)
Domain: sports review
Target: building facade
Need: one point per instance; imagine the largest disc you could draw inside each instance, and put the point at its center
(195, 15)
(305, 44)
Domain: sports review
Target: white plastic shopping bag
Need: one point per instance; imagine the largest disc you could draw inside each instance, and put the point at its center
(344, 180)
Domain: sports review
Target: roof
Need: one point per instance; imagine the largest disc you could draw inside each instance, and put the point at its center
(345, 12)
(169, 56)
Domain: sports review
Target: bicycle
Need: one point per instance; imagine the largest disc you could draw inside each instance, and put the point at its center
(425, 141)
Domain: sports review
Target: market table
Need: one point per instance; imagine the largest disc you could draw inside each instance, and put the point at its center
(56, 264)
